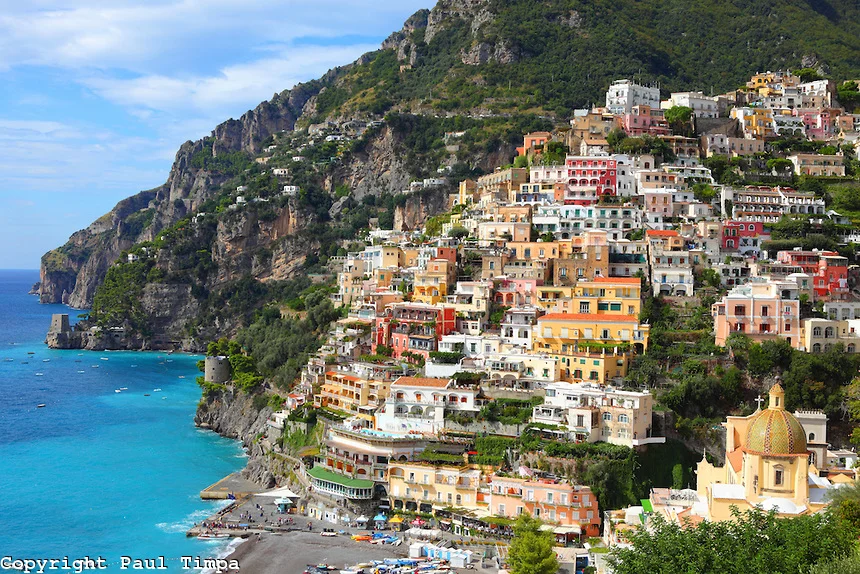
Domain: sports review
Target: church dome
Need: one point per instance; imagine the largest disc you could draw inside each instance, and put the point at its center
(775, 431)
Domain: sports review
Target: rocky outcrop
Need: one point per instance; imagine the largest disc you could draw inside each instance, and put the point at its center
(232, 414)
(484, 52)
(378, 168)
(475, 12)
(420, 206)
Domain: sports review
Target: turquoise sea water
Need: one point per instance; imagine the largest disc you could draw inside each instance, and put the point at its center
(96, 472)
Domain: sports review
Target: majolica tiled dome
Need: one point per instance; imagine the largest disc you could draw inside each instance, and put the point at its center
(775, 431)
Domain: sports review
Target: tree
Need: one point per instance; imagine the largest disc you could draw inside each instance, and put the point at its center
(615, 137)
(521, 161)
(808, 75)
(531, 549)
(458, 232)
(754, 542)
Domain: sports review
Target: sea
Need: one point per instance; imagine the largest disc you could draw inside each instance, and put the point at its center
(96, 472)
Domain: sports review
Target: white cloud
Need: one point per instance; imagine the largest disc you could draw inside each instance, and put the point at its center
(228, 92)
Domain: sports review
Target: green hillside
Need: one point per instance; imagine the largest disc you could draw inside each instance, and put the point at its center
(562, 54)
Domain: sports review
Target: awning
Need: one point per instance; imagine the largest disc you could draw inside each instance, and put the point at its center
(573, 529)
(361, 518)
(646, 505)
(280, 492)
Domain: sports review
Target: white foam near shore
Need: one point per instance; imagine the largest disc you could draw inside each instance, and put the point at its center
(189, 521)
(225, 549)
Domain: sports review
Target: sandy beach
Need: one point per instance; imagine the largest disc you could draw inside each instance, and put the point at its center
(289, 553)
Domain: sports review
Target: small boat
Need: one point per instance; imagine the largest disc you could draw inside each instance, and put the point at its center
(162, 398)
(40, 374)
(77, 360)
(95, 366)
(181, 376)
(134, 366)
(158, 390)
(46, 360)
(82, 371)
(213, 535)
(117, 391)
(41, 406)
(31, 352)
(25, 362)
(104, 358)
(8, 359)
(146, 394)
(123, 388)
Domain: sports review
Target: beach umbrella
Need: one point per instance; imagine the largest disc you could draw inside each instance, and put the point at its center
(396, 519)
(417, 522)
(361, 518)
(380, 518)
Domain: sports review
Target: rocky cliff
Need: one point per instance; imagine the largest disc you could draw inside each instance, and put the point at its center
(233, 415)
(72, 272)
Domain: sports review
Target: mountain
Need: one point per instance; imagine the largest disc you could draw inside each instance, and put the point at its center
(491, 69)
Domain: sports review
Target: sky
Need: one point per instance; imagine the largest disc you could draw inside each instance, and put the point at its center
(97, 95)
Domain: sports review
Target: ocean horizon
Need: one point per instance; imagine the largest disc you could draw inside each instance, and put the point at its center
(96, 472)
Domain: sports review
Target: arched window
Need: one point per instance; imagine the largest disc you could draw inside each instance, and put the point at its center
(778, 475)
(623, 419)
(828, 333)
(851, 348)
(811, 436)
(607, 417)
(816, 348)
(816, 332)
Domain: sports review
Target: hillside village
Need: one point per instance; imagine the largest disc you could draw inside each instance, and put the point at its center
(521, 350)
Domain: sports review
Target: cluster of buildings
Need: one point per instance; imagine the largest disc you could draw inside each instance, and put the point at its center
(534, 290)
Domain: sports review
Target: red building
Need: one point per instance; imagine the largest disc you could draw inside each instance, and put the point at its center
(413, 327)
(744, 237)
(828, 269)
(590, 178)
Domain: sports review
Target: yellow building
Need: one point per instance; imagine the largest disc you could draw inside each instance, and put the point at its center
(431, 285)
(756, 123)
(423, 487)
(590, 346)
(601, 296)
(767, 465)
(352, 394)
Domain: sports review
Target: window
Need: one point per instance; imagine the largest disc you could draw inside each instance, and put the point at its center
(607, 417)
(778, 475)
(501, 510)
(584, 307)
(623, 419)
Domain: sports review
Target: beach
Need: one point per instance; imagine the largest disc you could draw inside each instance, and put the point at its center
(292, 552)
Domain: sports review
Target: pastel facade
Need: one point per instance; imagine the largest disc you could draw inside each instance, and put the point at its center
(760, 311)
(552, 501)
(594, 413)
(422, 487)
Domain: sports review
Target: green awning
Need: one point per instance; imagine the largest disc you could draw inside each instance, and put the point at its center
(646, 505)
(322, 474)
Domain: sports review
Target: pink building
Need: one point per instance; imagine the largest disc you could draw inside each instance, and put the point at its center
(759, 310)
(645, 120)
(515, 292)
(744, 237)
(820, 124)
(572, 507)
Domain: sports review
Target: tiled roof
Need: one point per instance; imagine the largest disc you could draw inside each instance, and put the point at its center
(661, 233)
(589, 317)
(627, 280)
(421, 382)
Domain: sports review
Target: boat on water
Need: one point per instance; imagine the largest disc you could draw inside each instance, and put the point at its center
(40, 374)
(95, 366)
(117, 391)
(181, 376)
(123, 388)
(158, 390)
(146, 394)
(46, 360)
(31, 352)
(104, 358)
(212, 536)
(134, 366)
(77, 360)
(8, 359)
(41, 406)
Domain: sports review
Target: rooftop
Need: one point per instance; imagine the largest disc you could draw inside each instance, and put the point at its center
(421, 382)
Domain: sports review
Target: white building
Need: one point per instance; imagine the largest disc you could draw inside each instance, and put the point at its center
(624, 94)
(703, 106)
(596, 413)
(419, 404)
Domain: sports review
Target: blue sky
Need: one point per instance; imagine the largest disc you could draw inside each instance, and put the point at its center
(98, 94)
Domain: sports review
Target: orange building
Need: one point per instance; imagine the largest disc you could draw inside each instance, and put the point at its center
(573, 508)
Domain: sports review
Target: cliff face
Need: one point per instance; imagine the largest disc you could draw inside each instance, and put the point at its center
(420, 206)
(234, 415)
(72, 272)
